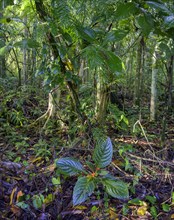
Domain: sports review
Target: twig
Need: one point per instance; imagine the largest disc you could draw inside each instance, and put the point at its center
(151, 160)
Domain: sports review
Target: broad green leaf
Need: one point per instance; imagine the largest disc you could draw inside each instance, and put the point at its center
(69, 166)
(112, 61)
(2, 43)
(103, 154)
(87, 34)
(124, 10)
(38, 201)
(151, 199)
(153, 211)
(27, 43)
(4, 50)
(115, 35)
(83, 189)
(159, 6)
(166, 207)
(145, 23)
(169, 20)
(164, 48)
(116, 189)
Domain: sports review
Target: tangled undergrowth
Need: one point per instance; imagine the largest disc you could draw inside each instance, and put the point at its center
(31, 186)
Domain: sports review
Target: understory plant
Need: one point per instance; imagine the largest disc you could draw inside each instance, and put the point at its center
(93, 175)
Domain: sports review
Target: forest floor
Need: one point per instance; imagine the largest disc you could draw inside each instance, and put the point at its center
(31, 187)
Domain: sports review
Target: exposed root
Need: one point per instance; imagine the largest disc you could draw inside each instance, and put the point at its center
(51, 107)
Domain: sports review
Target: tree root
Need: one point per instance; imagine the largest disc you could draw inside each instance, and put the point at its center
(50, 110)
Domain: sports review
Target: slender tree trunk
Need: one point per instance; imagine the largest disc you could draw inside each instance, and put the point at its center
(139, 75)
(33, 55)
(153, 100)
(170, 82)
(102, 99)
(25, 74)
(2, 40)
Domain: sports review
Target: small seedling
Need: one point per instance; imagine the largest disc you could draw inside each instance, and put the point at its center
(94, 175)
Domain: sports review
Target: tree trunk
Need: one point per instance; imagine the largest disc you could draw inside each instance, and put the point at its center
(2, 40)
(25, 72)
(153, 100)
(40, 8)
(102, 99)
(139, 74)
(170, 83)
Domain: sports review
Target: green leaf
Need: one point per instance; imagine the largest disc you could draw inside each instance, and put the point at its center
(49, 198)
(103, 172)
(116, 189)
(56, 181)
(169, 20)
(158, 6)
(151, 199)
(83, 189)
(4, 50)
(27, 43)
(164, 48)
(86, 33)
(38, 201)
(172, 198)
(166, 207)
(22, 205)
(112, 61)
(136, 201)
(153, 211)
(115, 35)
(69, 166)
(145, 23)
(125, 10)
(103, 154)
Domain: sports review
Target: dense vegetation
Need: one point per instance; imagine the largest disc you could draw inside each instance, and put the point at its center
(86, 114)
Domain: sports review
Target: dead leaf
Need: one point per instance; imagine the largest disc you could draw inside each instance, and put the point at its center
(141, 210)
(113, 214)
(16, 210)
(50, 168)
(172, 216)
(20, 193)
(12, 195)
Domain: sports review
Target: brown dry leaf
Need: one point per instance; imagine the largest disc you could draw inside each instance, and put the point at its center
(20, 193)
(172, 216)
(16, 210)
(12, 195)
(118, 162)
(113, 214)
(50, 168)
(141, 210)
